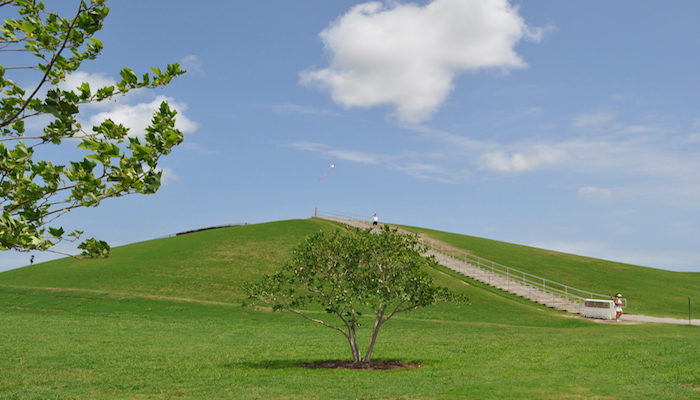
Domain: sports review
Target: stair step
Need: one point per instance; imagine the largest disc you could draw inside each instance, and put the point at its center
(492, 279)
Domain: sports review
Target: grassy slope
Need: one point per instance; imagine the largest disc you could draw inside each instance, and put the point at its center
(105, 339)
(648, 290)
(207, 265)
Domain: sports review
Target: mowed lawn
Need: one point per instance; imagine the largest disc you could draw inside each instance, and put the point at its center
(648, 290)
(112, 330)
(206, 265)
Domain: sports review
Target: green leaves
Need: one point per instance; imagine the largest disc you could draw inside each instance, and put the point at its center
(35, 192)
(353, 273)
(94, 248)
(56, 232)
(129, 79)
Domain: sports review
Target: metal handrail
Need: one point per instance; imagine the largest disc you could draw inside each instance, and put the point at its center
(526, 278)
(549, 286)
(351, 217)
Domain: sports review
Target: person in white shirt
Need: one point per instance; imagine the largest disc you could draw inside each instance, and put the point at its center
(618, 307)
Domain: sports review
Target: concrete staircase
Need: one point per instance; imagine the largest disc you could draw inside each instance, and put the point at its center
(507, 284)
(493, 279)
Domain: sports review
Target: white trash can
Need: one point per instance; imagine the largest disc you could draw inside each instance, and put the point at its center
(601, 309)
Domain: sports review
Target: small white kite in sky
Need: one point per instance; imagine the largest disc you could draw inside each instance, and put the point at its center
(332, 167)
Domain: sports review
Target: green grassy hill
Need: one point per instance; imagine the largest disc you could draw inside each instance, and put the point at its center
(205, 265)
(162, 319)
(648, 291)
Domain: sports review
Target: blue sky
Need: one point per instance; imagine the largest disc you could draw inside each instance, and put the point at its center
(572, 126)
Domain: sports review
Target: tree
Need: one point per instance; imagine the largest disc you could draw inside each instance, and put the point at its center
(350, 274)
(35, 192)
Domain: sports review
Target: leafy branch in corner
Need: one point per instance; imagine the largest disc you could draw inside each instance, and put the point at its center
(36, 192)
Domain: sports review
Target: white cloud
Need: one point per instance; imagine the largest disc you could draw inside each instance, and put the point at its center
(455, 142)
(96, 80)
(633, 167)
(535, 157)
(309, 146)
(595, 194)
(356, 156)
(37, 123)
(652, 168)
(137, 117)
(409, 163)
(342, 154)
(407, 56)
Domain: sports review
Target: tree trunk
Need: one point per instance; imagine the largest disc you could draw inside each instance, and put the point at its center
(355, 347)
(375, 332)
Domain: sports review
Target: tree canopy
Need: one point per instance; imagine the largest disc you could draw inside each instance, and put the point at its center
(350, 274)
(34, 191)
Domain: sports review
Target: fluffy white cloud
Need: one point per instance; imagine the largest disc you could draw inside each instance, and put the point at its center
(137, 117)
(120, 108)
(407, 56)
(96, 80)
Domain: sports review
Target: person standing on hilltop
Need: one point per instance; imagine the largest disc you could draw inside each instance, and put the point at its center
(375, 219)
(618, 307)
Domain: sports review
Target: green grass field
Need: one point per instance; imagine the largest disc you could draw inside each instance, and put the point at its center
(162, 319)
(207, 265)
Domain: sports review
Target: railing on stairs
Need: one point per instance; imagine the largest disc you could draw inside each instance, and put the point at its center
(492, 269)
(557, 290)
(338, 215)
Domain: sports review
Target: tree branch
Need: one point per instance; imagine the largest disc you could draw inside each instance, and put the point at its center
(400, 310)
(22, 138)
(61, 253)
(318, 321)
(48, 69)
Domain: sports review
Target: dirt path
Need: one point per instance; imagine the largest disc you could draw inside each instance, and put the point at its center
(660, 320)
